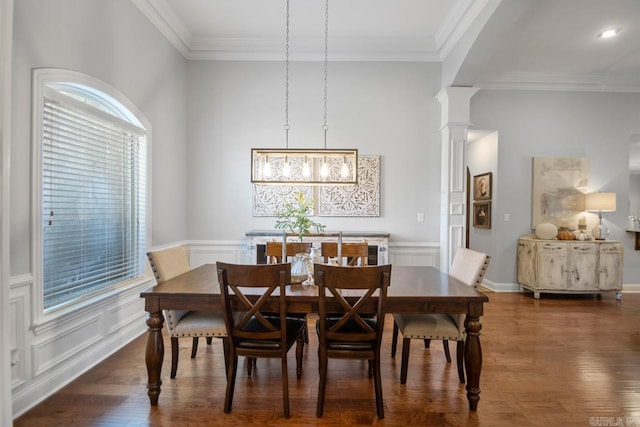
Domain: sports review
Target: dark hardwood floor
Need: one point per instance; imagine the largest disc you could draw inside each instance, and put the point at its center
(557, 361)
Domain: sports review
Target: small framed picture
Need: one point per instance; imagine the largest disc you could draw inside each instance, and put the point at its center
(482, 215)
(482, 186)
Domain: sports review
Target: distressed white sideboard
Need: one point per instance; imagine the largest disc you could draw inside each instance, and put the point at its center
(569, 266)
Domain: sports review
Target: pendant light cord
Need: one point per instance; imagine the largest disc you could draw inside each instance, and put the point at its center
(286, 85)
(326, 63)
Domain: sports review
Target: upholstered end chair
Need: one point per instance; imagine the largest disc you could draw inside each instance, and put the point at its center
(468, 266)
(167, 264)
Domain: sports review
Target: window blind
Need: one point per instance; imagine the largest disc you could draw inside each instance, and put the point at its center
(93, 198)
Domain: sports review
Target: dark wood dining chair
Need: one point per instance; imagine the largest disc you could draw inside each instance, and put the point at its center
(256, 329)
(273, 251)
(356, 253)
(469, 267)
(167, 264)
(344, 329)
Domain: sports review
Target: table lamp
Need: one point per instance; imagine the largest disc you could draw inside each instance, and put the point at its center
(600, 202)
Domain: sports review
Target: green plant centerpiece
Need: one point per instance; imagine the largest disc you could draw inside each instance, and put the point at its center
(295, 217)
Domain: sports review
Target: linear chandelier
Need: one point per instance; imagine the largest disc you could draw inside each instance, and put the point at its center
(305, 166)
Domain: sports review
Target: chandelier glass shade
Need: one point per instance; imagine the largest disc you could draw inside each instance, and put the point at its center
(304, 166)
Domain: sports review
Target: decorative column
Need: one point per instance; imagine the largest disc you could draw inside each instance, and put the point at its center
(455, 102)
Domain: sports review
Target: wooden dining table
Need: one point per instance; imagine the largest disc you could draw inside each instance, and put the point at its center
(412, 290)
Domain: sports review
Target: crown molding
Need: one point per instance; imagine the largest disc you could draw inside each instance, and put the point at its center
(160, 14)
(312, 49)
(457, 24)
(621, 83)
(171, 26)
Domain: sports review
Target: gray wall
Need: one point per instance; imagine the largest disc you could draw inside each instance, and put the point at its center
(557, 124)
(113, 41)
(634, 195)
(482, 157)
(386, 109)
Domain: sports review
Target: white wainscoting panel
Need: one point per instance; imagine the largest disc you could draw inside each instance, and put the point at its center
(209, 252)
(125, 314)
(414, 254)
(18, 318)
(51, 355)
(59, 347)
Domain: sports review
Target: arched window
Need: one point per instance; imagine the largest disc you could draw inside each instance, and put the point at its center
(90, 151)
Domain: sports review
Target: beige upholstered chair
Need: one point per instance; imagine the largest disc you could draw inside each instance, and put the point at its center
(356, 253)
(167, 264)
(469, 267)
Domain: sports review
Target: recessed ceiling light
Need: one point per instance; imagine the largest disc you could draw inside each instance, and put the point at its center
(612, 32)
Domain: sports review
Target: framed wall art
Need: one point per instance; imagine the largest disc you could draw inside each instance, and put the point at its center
(482, 215)
(482, 186)
(559, 184)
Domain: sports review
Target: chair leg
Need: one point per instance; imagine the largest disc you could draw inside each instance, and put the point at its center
(460, 360)
(322, 358)
(209, 340)
(377, 379)
(427, 343)
(306, 331)
(406, 346)
(225, 350)
(251, 362)
(174, 356)
(194, 347)
(447, 354)
(299, 354)
(285, 385)
(231, 382)
(394, 339)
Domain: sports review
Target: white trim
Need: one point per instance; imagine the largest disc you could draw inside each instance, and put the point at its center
(41, 77)
(629, 83)
(57, 377)
(631, 288)
(6, 43)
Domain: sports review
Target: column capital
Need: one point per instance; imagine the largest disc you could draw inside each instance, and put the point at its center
(455, 102)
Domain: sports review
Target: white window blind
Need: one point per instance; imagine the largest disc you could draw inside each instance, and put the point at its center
(93, 200)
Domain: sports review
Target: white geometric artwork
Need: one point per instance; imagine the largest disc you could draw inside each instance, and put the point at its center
(362, 199)
(268, 200)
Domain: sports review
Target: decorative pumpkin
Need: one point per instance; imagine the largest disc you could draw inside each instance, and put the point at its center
(546, 231)
(565, 234)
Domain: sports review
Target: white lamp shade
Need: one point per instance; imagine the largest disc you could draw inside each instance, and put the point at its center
(600, 202)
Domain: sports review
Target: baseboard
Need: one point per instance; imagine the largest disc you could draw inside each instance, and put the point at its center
(631, 288)
(500, 287)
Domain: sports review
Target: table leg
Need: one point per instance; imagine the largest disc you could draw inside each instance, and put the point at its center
(473, 359)
(154, 355)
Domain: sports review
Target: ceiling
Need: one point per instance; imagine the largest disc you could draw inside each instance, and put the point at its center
(536, 44)
(492, 44)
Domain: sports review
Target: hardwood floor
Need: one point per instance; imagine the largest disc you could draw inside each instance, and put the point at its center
(557, 361)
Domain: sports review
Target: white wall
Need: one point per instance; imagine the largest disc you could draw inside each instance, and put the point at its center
(558, 124)
(112, 41)
(387, 109)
